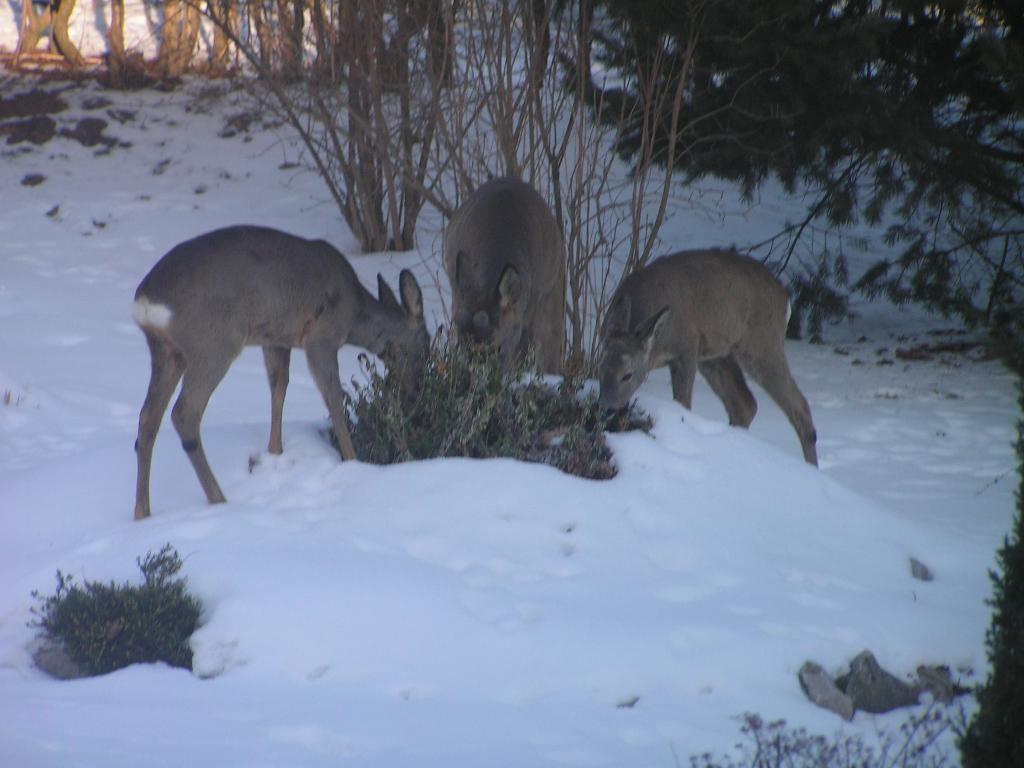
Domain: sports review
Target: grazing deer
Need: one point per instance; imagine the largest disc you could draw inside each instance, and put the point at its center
(209, 297)
(713, 311)
(506, 266)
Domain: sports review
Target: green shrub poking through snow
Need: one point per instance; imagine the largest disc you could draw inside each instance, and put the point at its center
(104, 627)
(467, 406)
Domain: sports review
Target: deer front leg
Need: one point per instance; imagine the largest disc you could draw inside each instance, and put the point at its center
(277, 361)
(725, 378)
(322, 358)
(683, 370)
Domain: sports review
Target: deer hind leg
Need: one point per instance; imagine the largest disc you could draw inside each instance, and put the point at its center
(202, 375)
(164, 377)
(322, 358)
(770, 369)
(725, 377)
(277, 361)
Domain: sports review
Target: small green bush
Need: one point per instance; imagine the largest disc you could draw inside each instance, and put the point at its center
(468, 406)
(104, 627)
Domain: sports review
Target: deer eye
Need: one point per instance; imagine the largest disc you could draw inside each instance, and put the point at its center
(627, 377)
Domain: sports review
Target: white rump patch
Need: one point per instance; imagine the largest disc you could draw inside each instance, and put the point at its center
(148, 314)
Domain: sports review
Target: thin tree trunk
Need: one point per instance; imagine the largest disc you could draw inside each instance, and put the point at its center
(31, 29)
(60, 34)
(326, 53)
(225, 27)
(178, 37)
(264, 36)
(539, 13)
(115, 36)
(298, 33)
(219, 54)
(290, 23)
(170, 36)
(439, 22)
(189, 37)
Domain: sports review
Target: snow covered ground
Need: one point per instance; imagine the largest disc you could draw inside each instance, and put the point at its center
(456, 613)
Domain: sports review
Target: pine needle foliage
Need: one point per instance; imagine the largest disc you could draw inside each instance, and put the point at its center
(907, 116)
(104, 627)
(819, 295)
(469, 406)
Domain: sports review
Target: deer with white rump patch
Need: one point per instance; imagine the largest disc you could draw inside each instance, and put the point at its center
(713, 311)
(505, 261)
(209, 297)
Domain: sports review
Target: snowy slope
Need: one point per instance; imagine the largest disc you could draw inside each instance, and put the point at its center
(453, 612)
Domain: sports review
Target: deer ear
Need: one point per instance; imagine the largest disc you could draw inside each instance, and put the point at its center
(412, 296)
(618, 316)
(385, 295)
(510, 287)
(647, 331)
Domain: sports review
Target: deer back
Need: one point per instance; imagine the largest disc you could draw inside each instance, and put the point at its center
(272, 288)
(506, 265)
(717, 296)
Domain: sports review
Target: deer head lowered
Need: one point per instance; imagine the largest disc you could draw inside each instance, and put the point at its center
(712, 311)
(209, 297)
(506, 266)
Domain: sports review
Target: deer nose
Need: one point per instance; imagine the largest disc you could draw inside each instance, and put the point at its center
(481, 321)
(608, 402)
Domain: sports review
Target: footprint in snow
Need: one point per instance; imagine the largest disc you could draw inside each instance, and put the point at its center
(506, 615)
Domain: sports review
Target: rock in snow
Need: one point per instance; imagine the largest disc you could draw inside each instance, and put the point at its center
(869, 688)
(875, 690)
(822, 690)
(920, 571)
(52, 659)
